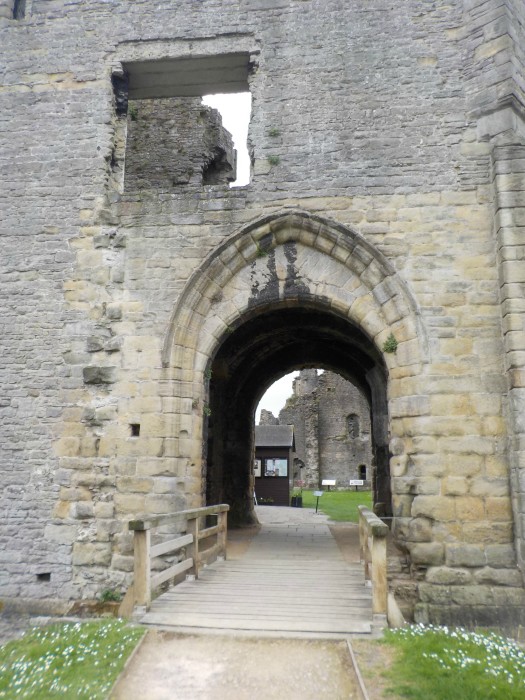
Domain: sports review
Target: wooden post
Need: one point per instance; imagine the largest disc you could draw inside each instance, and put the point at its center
(193, 549)
(379, 580)
(362, 535)
(223, 533)
(142, 566)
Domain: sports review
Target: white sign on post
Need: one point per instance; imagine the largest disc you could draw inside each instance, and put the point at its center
(357, 482)
(328, 482)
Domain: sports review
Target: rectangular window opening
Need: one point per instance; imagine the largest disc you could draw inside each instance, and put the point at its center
(134, 429)
(43, 577)
(187, 121)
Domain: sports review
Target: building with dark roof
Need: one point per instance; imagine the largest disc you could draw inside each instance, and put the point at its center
(273, 466)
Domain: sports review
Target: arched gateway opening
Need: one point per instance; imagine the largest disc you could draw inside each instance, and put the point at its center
(288, 291)
(265, 346)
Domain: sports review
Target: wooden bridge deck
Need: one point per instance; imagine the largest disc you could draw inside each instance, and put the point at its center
(292, 580)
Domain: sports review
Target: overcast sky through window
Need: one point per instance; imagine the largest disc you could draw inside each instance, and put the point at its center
(275, 397)
(235, 111)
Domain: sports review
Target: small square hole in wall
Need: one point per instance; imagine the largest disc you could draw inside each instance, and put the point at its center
(19, 9)
(134, 429)
(43, 577)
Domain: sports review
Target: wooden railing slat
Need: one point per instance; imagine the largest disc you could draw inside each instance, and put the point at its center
(144, 582)
(171, 572)
(208, 532)
(170, 545)
(206, 554)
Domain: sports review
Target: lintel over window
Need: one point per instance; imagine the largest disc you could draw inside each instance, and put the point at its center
(188, 77)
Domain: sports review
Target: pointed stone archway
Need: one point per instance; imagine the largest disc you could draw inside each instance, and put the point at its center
(289, 290)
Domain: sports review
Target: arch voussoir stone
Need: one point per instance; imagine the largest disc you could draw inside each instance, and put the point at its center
(333, 242)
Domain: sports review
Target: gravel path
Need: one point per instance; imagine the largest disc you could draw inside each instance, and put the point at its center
(172, 666)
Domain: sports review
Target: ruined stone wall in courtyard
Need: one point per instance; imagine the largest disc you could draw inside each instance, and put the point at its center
(402, 123)
(173, 142)
(331, 420)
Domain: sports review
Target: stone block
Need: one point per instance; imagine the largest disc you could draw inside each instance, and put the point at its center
(60, 533)
(455, 486)
(162, 466)
(468, 445)
(165, 485)
(434, 507)
(448, 576)
(465, 555)
(430, 593)
(62, 509)
(161, 504)
(496, 466)
(133, 504)
(67, 447)
(105, 529)
(469, 508)
(465, 465)
(104, 509)
(471, 595)
(398, 465)
(499, 508)
(122, 563)
(427, 553)
(488, 532)
(420, 530)
(114, 312)
(490, 487)
(405, 485)
(127, 484)
(91, 554)
(500, 555)
(106, 413)
(402, 506)
(82, 510)
(75, 494)
(99, 375)
(498, 577)
(507, 596)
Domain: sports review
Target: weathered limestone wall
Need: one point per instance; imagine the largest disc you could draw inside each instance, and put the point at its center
(401, 123)
(320, 409)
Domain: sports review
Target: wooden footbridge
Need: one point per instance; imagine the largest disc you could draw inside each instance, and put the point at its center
(292, 580)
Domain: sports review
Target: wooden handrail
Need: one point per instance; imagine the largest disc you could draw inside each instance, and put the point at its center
(147, 522)
(144, 582)
(372, 544)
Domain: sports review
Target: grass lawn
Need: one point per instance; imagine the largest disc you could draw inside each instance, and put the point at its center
(72, 660)
(437, 663)
(339, 505)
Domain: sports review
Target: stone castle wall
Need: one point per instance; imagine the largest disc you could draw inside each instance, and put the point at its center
(392, 138)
